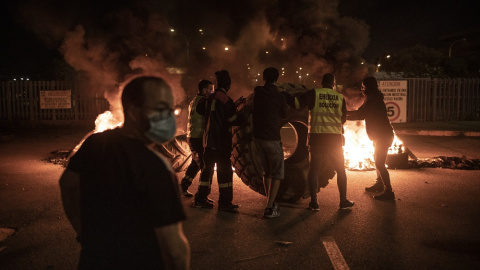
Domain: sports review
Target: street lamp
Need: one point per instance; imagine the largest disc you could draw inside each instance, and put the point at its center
(451, 45)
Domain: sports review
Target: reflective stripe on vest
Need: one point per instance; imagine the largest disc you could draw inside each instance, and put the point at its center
(195, 120)
(326, 115)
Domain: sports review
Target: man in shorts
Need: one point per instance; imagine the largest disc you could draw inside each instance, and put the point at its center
(269, 112)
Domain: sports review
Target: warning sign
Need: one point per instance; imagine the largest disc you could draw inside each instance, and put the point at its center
(395, 93)
(56, 99)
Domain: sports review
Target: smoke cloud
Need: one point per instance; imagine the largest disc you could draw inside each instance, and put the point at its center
(108, 41)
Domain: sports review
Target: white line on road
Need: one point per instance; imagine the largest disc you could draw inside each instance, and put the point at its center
(334, 253)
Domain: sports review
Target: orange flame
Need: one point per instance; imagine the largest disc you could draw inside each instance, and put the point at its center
(359, 150)
(106, 121)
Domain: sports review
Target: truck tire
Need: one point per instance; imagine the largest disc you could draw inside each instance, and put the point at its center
(247, 165)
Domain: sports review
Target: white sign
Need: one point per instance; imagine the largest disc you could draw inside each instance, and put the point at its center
(56, 99)
(395, 93)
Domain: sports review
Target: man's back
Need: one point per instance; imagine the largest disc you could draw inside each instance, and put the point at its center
(269, 110)
(327, 115)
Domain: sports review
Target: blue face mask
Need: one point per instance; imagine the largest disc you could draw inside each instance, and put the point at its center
(161, 130)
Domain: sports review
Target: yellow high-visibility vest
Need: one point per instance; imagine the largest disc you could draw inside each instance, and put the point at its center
(326, 116)
(195, 120)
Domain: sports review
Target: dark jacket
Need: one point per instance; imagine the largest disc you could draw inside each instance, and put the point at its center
(269, 112)
(374, 112)
(220, 114)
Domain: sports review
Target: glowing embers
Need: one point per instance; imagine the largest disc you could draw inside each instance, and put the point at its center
(358, 149)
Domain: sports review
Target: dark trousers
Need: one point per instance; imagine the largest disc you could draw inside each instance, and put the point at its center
(380, 156)
(318, 161)
(196, 146)
(224, 175)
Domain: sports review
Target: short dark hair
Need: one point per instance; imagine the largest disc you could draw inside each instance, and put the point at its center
(270, 74)
(134, 92)
(203, 84)
(328, 80)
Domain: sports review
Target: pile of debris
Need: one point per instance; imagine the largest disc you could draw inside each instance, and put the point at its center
(458, 163)
(59, 157)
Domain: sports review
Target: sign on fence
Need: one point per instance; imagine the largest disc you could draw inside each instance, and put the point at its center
(56, 99)
(395, 93)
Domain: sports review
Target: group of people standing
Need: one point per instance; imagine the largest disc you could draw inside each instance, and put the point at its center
(211, 116)
(327, 114)
(122, 196)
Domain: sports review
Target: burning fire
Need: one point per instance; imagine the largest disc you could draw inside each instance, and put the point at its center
(359, 150)
(106, 121)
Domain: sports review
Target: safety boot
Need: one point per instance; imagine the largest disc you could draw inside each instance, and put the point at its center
(187, 194)
(228, 207)
(202, 204)
(387, 195)
(377, 187)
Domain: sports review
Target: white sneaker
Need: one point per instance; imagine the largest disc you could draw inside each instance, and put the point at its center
(272, 212)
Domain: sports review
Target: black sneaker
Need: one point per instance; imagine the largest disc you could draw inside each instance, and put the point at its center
(377, 187)
(202, 204)
(227, 207)
(346, 204)
(187, 194)
(313, 205)
(387, 195)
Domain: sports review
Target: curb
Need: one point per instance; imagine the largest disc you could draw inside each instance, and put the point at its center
(438, 133)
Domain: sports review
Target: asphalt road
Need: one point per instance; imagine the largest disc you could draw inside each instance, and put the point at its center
(433, 224)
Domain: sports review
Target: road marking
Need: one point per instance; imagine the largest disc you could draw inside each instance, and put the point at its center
(334, 253)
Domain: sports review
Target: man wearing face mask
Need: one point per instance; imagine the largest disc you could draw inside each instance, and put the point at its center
(121, 195)
(195, 128)
(220, 114)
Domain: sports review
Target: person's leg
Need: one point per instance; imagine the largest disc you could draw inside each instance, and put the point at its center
(315, 165)
(381, 152)
(277, 166)
(274, 187)
(196, 147)
(205, 176)
(267, 183)
(262, 155)
(338, 162)
(224, 177)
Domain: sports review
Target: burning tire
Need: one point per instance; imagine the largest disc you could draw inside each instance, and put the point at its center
(247, 165)
(178, 152)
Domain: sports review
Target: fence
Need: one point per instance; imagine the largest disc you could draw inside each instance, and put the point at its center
(20, 100)
(443, 99)
(427, 100)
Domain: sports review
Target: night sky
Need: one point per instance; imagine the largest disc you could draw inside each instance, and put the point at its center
(34, 33)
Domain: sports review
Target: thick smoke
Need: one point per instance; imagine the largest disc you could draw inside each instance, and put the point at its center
(108, 41)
